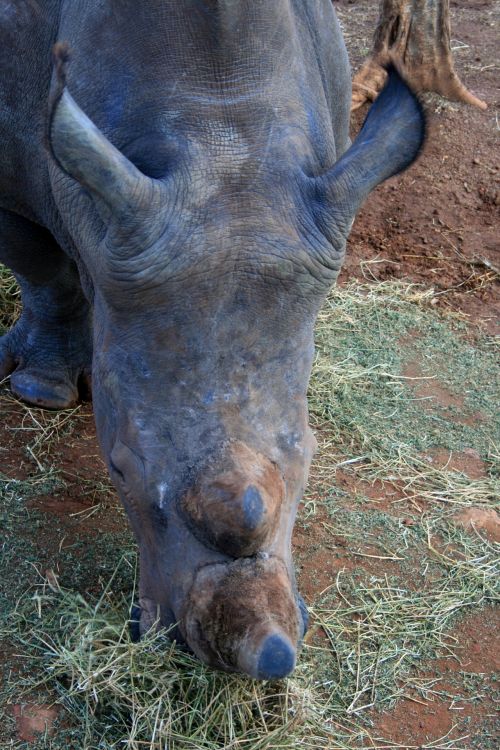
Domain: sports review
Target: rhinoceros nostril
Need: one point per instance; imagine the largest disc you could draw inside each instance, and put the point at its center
(253, 508)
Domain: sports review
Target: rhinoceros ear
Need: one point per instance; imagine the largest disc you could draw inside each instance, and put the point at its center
(389, 141)
(85, 153)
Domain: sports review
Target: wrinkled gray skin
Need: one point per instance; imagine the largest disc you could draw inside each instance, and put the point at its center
(186, 229)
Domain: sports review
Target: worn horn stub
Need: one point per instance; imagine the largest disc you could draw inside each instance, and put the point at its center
(243, 617)
(235, 505)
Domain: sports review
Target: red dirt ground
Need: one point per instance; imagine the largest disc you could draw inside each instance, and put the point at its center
(416, 720)
(436, 225)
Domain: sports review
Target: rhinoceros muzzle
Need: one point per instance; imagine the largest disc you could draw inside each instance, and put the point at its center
(232, 600)
(241, 617)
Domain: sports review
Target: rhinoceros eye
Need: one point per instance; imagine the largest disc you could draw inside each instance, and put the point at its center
(160, 516)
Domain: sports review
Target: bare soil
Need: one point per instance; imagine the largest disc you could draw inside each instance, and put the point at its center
(436, 225)
(456, 707)
(33, 720)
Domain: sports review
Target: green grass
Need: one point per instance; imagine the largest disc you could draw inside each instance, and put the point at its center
(382, 627)
(151, 693)
(366, 336)
(394, 608)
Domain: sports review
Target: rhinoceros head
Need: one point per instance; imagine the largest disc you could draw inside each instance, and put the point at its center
(206, 283)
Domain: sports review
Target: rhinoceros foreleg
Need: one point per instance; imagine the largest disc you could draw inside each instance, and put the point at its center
(48, 351)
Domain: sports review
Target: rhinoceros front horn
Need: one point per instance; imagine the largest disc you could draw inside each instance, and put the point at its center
(85, 153)
(243, 617)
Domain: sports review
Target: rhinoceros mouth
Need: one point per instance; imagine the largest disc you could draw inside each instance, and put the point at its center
(244, 616)
(146, 616)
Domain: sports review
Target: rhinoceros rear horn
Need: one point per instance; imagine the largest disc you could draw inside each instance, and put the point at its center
(389, 141)
(82, 151)
(235, 506)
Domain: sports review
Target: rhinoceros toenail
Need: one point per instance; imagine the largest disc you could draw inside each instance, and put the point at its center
(253, 508)
(277, 658)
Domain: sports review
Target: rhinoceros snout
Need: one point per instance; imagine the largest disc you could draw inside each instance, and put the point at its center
(217, 571)
(243, 616)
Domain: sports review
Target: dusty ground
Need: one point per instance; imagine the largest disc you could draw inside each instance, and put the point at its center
(436, 225)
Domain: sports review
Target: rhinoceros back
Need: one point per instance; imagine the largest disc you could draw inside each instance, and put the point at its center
(27, 33)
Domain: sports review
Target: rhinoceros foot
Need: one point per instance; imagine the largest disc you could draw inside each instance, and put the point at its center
(49, 365)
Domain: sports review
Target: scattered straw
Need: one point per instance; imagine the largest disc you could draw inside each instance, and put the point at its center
(370, 630)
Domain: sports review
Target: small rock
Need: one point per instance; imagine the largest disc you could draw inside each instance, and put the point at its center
(33, 719)
(472, 453)
(483, 519)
